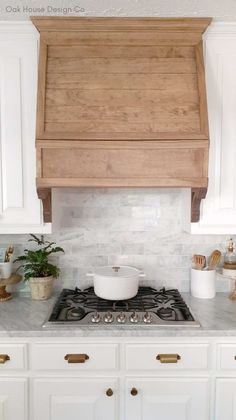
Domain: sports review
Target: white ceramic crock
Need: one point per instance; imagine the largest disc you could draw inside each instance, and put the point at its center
(5, 269)
(116, 282)
(203, 283)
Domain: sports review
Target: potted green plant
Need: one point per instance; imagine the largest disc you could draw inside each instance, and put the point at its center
(37, 268)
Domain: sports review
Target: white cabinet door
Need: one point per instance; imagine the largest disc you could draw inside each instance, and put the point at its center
(20, 208)
(218, 210)
(13, 399)
(226, 399)
(73, 399)
(168, 399)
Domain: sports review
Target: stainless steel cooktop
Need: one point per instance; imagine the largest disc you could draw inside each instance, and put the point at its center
(150, 307)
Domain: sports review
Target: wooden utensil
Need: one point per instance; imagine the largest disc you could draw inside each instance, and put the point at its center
(199, 261)
(214, 260)
(9, 253)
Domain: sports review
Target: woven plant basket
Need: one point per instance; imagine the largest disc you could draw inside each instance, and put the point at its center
(41, 287)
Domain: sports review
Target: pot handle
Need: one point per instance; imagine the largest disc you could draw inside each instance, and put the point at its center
(142, 274)
(90, 274)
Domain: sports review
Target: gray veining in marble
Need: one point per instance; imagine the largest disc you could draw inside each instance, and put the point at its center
(22, 317)
(138, 227)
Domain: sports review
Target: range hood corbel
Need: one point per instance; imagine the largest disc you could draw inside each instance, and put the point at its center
(122, 103)
(45, 194)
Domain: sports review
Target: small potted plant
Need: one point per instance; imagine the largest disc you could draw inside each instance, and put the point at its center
(37, 268)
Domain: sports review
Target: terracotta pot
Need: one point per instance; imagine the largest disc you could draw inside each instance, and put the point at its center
(41, 287)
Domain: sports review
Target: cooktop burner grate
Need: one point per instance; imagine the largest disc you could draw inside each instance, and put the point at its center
(148, 307)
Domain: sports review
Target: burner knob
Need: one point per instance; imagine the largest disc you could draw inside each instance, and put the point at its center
(121, 318)
(108, 317)
(147, 318)
(134, 318)
(95, 317)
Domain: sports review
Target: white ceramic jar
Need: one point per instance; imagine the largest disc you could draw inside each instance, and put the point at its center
(203, 283)
(5, 269)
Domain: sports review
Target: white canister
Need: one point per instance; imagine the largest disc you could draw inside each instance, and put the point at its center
(203, 283)
(5, 269)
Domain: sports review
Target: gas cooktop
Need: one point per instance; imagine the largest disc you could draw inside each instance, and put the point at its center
(149, 307)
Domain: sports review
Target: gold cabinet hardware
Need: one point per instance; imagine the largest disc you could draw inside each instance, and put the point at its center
(109, 392)
(134, 392)
(4, 358)
(168, 358)
(76, 358)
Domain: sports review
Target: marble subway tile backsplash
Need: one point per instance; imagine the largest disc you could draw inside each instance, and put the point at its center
(139, 227)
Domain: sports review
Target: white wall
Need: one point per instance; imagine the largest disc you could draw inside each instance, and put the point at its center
(21, 9)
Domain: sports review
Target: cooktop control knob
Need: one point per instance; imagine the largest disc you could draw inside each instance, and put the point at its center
(108, 317)
(121, 318)
(147, 318)
(95, 317)
(134, 317)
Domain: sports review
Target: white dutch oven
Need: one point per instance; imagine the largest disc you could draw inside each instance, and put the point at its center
(116, 282)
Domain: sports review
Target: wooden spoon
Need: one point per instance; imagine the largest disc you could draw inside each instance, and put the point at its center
(214, 259)
(199, 261)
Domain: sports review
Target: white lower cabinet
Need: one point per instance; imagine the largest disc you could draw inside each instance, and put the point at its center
(226, 399)
(167, 399)
(13, 399)
(118, 379)
(76, 398)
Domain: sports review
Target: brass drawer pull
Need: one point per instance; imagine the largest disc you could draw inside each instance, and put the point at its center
(168, 358)
(109, 392)
(4, 358)
(134, 392)
(76, 358)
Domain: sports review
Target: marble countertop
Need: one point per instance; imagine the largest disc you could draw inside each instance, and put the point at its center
(23, 317)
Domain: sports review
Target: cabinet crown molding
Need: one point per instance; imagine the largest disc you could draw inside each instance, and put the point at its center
(22, 27)
(221, 28)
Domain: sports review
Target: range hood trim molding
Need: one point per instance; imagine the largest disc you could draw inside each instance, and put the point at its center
(61, 24)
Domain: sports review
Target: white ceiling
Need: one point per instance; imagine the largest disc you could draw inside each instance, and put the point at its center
(21, 10)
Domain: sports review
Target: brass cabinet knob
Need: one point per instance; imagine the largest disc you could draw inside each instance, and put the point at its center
(109, 392)
(168, 358)
(76, 358)
(134, 392)
(4, 358)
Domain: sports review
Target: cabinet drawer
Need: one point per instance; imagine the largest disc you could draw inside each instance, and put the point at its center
(227, 356)
(12, 356)
(166, 356)
(75, 356)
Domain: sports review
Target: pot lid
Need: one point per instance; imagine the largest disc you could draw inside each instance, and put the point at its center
(117, 270)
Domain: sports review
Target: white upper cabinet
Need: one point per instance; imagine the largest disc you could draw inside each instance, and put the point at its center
(218, 210)
(20, 208)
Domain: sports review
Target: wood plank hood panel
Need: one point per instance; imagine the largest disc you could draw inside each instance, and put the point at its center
(124, 101)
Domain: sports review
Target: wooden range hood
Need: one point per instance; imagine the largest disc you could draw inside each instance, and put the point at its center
(121, 103)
